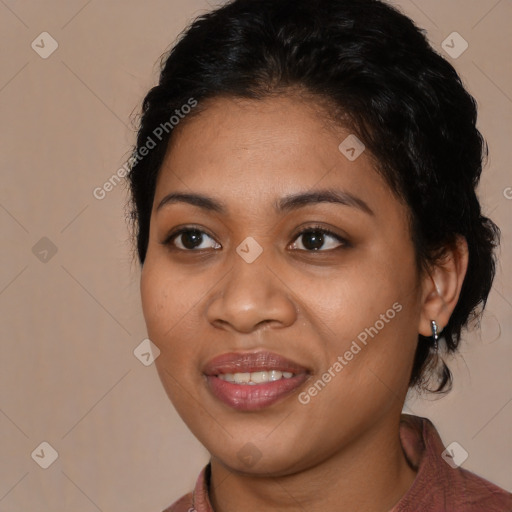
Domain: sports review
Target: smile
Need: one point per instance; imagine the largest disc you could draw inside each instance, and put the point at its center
(253, 380)
(255, 377)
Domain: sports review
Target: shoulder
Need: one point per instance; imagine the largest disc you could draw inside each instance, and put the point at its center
(441, 484)
(479, 494)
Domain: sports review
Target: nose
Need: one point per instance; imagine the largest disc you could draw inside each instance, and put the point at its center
(252, 295)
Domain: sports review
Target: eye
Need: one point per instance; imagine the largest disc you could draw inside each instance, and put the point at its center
(316, 236)
(191, 239)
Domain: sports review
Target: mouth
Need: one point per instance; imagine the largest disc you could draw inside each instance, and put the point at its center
(253, 380)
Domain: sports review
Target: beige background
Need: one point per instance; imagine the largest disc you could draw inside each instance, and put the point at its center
(70, 324)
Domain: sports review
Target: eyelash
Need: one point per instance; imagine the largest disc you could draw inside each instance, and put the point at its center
(317, 229)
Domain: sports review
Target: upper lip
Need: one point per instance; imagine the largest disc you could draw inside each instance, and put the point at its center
(247, 362)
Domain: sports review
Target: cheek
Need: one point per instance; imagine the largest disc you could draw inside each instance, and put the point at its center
(165, 302)
(171, 304)
(155, 299)
(369, 315)
(354, 297)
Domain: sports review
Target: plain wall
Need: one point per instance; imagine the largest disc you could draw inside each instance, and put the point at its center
(71, 320)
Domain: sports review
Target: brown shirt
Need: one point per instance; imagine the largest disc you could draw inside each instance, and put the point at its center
(438, 487)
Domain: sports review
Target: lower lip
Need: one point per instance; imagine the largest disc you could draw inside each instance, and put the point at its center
(251, 397)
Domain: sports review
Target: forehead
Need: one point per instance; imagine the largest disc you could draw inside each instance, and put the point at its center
(249, 151)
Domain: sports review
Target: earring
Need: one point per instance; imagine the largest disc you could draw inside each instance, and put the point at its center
(435, 333)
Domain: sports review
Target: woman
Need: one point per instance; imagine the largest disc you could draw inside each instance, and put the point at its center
(303, 193)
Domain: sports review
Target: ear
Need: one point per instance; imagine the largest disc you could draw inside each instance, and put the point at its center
(441, 287)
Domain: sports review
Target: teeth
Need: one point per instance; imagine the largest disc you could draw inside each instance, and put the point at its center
(255, 377)
(260, 377)
(275, 375)
(242, 378)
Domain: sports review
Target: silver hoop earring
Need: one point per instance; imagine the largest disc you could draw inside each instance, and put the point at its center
(435, 333)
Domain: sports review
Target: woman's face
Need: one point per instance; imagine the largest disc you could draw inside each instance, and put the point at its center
(333, 318)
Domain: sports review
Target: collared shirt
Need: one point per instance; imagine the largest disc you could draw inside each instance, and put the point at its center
(439, 486)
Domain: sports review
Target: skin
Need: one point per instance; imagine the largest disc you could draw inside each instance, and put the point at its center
(341, 451)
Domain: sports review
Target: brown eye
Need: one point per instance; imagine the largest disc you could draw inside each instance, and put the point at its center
(190, 239)
(314, 239)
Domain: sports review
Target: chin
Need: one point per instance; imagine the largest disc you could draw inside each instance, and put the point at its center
(251, 462)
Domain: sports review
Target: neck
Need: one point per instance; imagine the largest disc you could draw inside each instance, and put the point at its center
(369, 475)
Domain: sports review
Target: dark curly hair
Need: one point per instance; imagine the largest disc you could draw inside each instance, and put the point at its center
(384, 82)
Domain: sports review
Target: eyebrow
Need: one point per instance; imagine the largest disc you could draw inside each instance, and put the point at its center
(285, 204)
